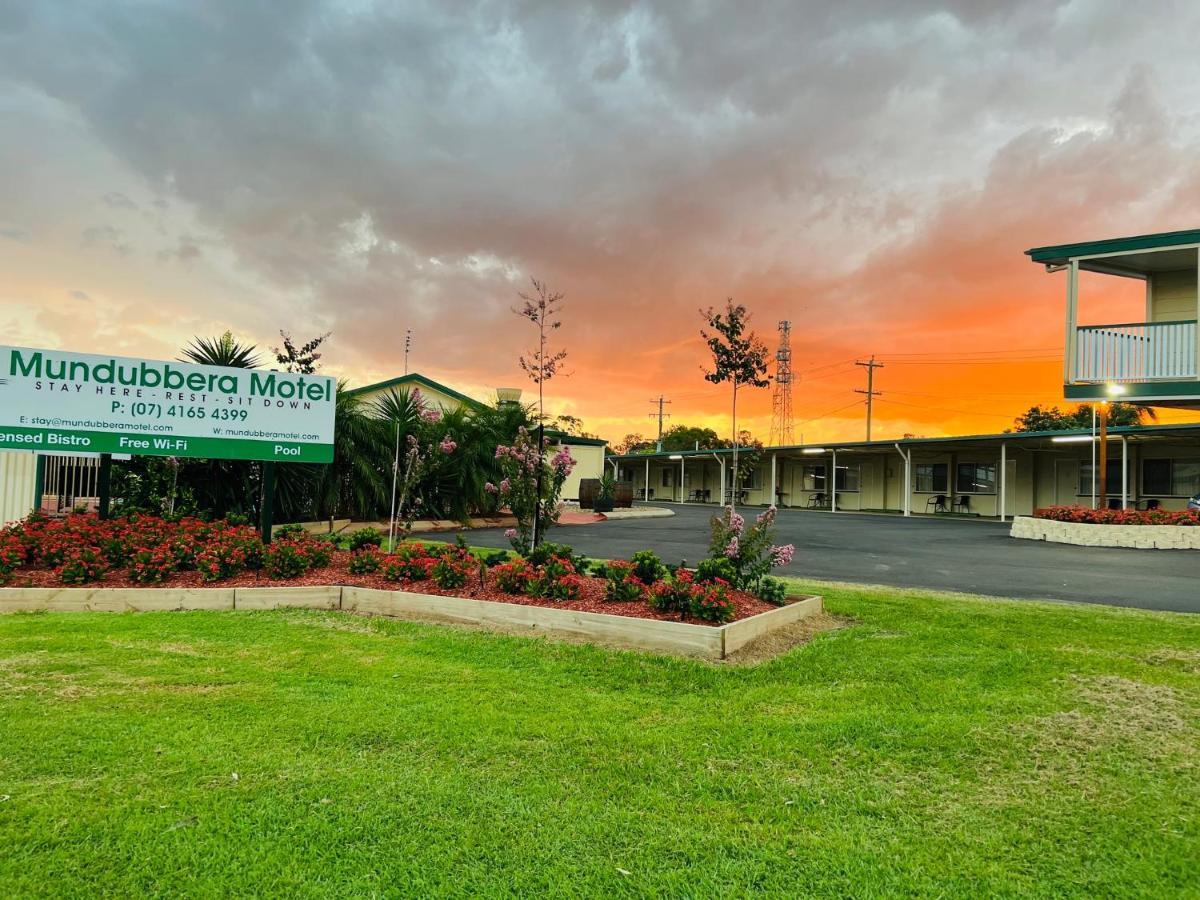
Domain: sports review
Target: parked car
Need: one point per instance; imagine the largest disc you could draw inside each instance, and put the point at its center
(1194, 502)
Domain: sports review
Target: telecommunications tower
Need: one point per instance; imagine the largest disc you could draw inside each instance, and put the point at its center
(782, 431)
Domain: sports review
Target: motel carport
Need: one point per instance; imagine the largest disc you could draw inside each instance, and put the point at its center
(988, 475)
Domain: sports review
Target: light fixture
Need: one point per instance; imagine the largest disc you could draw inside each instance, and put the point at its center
(1115, 390)
(675, 456)
(814, 450)
(1073, 439)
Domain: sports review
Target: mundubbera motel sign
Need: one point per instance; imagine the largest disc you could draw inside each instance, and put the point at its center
(52, 401)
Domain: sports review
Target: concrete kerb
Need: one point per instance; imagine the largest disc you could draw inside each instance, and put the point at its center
(680, 638)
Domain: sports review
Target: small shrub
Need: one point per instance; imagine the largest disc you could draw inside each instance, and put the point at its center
(151, 565)
(772, 590)
(12, 554)
(539, 555)
(597, 569)
(647, 566)
(451, 572)
(293, 530)
(365, 561)
(220, 560)
(84, 564)
(285, 559)
(514, 577)
(556, 580)
(675, 595)
(365, 537)
(317, 554)
(621, 584)
(235, 520)
(711, 602)
(410, 562)
(497, 558)
(717, 567)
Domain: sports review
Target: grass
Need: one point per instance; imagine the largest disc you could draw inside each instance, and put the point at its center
(940, 745)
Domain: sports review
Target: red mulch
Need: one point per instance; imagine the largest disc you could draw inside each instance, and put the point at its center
(591, 599)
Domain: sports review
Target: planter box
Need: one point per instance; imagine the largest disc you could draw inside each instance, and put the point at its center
(684, 638)
(1140, 537)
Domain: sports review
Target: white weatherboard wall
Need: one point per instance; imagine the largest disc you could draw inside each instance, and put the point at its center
(18, 482)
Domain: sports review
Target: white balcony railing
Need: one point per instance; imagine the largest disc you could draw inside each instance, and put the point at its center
(1138, 351)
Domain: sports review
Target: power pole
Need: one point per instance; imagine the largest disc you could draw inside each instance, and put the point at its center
(660, 415)
(871, 393)
(782, 429)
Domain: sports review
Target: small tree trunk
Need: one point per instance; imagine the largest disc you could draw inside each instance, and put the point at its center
(734, 490)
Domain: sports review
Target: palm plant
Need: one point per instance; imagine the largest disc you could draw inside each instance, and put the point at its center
(225, 350)
(355, 483)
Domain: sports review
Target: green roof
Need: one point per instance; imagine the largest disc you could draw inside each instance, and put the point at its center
(1060, 254)
(1128, 430)
(415, 380)
(563, 437)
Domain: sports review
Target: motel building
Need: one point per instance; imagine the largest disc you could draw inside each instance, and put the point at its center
(987, 475)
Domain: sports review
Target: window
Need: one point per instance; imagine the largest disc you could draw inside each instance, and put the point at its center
(848, 478)
(976, 478)
(751, 480)
(668, 477)
(1085, 478)
(931, 478)
(814, 478)
(1170, 477)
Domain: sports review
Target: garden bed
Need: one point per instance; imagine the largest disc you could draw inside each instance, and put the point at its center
(336, 575)
(1088, 534)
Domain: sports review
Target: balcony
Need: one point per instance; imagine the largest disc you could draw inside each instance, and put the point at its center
(1135, 352)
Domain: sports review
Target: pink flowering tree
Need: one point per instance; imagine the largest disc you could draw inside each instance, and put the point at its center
(750, 547)
(522, 463)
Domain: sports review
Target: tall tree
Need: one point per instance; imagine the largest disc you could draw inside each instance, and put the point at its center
(739, 357)
(303, 360)
(543, 363)
(633, 443)
(691, 437)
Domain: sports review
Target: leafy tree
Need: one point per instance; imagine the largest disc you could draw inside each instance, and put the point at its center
(1051, 418)
(633, 443)
(541, 364)
(572, 425)
(739, 357)
(303, 360)
(686, 437)
(354, 484)
(225, 350)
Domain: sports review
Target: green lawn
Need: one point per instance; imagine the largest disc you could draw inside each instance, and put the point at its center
(939, 745)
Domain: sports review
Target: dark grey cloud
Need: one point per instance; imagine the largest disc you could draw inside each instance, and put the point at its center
(410, 164)
(79, 295)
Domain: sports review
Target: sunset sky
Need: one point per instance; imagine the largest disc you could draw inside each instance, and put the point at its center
(872, 171)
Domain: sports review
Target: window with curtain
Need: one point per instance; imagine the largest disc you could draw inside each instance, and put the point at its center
(975, 478)
(931, 478)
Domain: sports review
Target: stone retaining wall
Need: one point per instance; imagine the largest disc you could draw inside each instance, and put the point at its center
(683, 638)
(1141, 537)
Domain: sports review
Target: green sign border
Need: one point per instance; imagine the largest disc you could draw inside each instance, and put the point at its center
(58, 440)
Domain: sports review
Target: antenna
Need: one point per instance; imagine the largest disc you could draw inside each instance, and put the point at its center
(407, 347)
(782, 433)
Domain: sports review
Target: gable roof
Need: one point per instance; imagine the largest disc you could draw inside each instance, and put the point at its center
(1060, 254)
(416, 380)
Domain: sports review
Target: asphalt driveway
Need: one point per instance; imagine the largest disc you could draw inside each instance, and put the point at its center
(955, 555)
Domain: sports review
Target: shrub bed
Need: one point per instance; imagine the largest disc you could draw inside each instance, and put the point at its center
(143, 551)
(1086, 516)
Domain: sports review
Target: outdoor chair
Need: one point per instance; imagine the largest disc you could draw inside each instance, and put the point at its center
(1114, 502)
(963, 504)
(817, 501)
(938, 503)
(1152, 504)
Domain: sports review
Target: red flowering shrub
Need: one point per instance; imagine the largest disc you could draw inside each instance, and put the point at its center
(410, 562)
(711, 602)
(365, 561)
(220, 559)
(12, 554)
(150, 565)
(674, 594)
(285, 559)
(452, 566)
(81, 565)
(556, 579)
(514, 577)
(1088, 516)
(621, 583)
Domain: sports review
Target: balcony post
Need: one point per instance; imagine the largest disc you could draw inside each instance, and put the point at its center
(1072, 318)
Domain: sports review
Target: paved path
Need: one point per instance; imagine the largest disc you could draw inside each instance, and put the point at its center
(971, 556)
